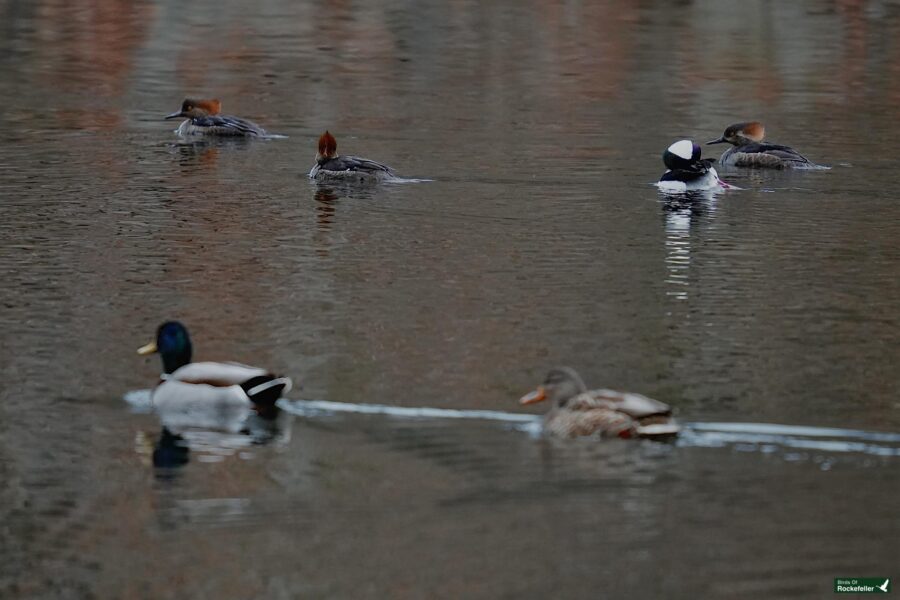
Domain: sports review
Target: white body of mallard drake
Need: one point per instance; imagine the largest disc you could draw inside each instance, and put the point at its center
(207, 394)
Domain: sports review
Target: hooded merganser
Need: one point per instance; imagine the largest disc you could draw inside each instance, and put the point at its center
(330, 166)
(748, 149)
(578, 411)
(687, 171)
(203, 118)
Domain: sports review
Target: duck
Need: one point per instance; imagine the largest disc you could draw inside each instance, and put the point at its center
(331, 167)
(203, 118)
(218, 391)
(749, 150)
(577, 411)
(687, 171)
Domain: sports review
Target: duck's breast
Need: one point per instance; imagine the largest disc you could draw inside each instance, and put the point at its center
(181, 405)
(187, 128)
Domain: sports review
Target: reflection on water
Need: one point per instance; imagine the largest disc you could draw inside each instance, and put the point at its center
(539, 242)
(169, 452)
(763, 437)
(208, 433)
(681, 212)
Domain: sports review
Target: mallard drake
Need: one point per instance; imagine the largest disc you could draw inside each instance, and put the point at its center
(208, 387)
(578, 411)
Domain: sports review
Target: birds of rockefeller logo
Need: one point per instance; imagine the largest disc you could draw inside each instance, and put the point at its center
(862, 585)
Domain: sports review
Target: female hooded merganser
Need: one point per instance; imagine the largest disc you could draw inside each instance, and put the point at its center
(578, 411)
(748, 149)
(687, 171)
(330, 166)
(203, 118)
(187, 387)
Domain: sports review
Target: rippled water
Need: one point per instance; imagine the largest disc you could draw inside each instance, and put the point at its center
(541, 241)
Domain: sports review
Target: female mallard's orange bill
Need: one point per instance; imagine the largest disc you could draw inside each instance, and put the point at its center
(148, 349)
(532, 397)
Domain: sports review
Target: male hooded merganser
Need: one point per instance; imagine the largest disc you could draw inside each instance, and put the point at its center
(187, 387)
(687, 171)
(748, 149)
(578, 411)
(203, 118)
(330, 166)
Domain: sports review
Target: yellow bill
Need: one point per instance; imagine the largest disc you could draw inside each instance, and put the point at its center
(148, 349)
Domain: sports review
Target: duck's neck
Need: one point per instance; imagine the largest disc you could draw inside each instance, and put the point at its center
(172, 361)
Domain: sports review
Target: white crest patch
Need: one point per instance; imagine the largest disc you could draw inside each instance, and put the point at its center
(683, 149)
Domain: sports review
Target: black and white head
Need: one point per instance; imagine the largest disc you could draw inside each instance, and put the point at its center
(560, 385)
(681, 155)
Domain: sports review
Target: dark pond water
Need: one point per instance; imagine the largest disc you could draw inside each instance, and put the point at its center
(541, 241)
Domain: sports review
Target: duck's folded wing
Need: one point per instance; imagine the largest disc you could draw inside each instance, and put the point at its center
(228, 125)
(767, 155)
(355, 163)
(633, 405)
(217, 373)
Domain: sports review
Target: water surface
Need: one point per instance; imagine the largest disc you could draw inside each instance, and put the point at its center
(541, 241)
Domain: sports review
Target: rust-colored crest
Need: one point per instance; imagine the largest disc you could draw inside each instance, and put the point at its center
(327, 145)
(755, 131)
(212, 106)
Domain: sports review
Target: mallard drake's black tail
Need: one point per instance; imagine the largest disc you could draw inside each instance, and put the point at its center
(265, 390)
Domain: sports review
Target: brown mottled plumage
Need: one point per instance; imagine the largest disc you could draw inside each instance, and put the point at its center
(578, 411)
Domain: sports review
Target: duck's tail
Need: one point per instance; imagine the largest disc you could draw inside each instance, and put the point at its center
(264, 390)
(657, 428)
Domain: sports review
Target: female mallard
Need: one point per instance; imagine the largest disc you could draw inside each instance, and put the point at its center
(202, 388)
(579, 411)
